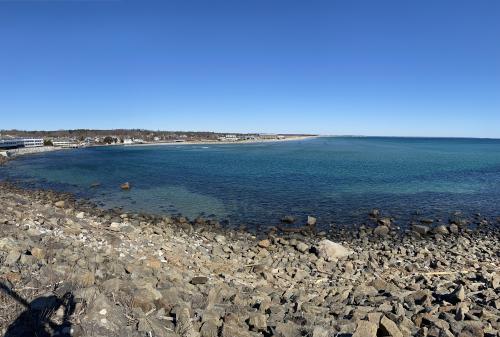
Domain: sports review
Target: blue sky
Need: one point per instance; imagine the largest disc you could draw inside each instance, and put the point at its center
(410, 68)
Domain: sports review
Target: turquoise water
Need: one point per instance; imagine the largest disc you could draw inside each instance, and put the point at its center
(337, 179)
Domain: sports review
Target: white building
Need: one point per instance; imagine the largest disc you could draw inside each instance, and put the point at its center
(229, 138)
(66, 143)
(12, 143)
(33, 142)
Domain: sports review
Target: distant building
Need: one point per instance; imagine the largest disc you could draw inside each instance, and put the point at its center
(14, 143)
(65, 142)
(268, 136)
(229, 138)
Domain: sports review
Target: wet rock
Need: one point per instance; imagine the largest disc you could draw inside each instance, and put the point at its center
(453, 228)
(381, 230)
(441, 229)
(421, 229)
(374, 213)
(311, 221)
(288, 219)
(385, 222)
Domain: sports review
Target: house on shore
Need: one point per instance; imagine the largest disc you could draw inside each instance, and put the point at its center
(65, 143)
(14, 143)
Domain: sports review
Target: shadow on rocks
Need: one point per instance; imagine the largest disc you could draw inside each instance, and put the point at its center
(45, 316)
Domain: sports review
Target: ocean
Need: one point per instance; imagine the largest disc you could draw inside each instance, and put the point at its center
(336, 179)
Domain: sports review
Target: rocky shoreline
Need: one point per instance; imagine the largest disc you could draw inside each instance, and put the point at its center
(71, 269)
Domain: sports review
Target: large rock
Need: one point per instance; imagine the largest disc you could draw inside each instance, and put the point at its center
(385, 222)
(366, 329)
(311, 221)
(288, 219)
(258, 322)
(381, 230)
(104, 315)
(60, 203)
(331, 251)
(389, 328)
(302, 247)
(421, 229)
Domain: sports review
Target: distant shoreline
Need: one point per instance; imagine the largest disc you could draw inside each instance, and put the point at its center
(201, 142)
(7, 155)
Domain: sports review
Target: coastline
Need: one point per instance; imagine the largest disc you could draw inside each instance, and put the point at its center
(7, 155)
(216, 142)
(136, 274)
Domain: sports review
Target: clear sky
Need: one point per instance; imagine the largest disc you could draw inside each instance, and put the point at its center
(410, 68)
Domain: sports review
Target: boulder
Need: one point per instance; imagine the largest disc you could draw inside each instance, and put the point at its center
(288, 219)
(264, 243)
(389, 328)
(60, 203)
(302, 247)
(441, 229)
(331, 251)
(374, 213)
(381, 230)
(311, 221)
(421, 229)
(258, 322)
(385, 222)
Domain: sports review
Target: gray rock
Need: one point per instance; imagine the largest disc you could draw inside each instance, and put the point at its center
(331, 251)
(366, 329)
(421, 229)
(389, 328)
(258, 322)
(311, 221)
(381, 230)
(302, 247)
(12, 258)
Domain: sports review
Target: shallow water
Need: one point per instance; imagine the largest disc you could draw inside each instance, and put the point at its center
(337, 179)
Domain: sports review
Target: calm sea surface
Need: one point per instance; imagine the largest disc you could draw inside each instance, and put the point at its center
(336, 179)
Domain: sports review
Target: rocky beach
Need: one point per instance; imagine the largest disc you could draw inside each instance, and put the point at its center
(71, 269)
